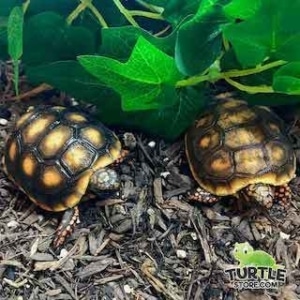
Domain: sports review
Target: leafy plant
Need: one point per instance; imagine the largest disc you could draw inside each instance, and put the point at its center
(154, 64)
(15, 40)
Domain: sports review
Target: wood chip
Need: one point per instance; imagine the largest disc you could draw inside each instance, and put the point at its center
(95, 268)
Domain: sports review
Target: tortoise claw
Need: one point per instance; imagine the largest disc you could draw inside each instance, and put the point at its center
(67, 225)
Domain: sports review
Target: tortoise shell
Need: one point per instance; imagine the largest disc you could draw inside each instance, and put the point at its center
(233, 145)
(53, 152)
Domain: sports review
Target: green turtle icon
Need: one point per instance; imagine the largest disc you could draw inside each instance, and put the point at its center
(247, 256)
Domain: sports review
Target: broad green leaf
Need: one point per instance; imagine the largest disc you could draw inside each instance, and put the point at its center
(242, 9)
(273, 31)
(199, 40)
(72, 78)
(146, 81)
(118, 42)
(15, 33)
(47, 38)
(287, 79)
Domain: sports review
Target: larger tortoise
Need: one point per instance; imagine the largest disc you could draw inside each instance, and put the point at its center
(55, 155)
(241, 150)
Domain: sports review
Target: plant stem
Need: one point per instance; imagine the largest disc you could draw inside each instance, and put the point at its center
(257, 69)
(146, 14)
(249, 89)
(81, 7)
(194, 80)
(98, 15)
(151, 7)
(75, 13)
(125, 13)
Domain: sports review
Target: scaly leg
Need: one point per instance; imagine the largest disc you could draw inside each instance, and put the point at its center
(283, 194)
(67, 225)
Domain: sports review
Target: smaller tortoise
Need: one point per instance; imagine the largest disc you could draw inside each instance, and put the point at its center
(235, 149)
(55, 155)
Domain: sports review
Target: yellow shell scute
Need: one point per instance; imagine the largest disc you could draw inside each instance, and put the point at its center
(244, 136)
(209, 140)
(12, 150)
(51, 177)
(93, 135)
(277, 153)
(250, 161)
(220, 164)
(233, 118)
(29, 164)
(77, 157)
(55, 140)
(204, 121)
(76, 117)
(23, 119)
(81, 186)
(36, 128)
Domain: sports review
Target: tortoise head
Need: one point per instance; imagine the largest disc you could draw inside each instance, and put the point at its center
(104, 179)
(264, 194)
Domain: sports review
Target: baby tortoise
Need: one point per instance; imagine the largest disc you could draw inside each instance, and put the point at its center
(55, 155)
(235, 149)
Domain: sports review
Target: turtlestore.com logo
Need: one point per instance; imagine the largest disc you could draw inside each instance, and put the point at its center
(256, 270)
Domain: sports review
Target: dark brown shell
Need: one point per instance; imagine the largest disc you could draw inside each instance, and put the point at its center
(54, 151)
(233, 145)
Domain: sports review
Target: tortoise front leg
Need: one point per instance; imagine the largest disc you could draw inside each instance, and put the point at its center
(283, 194)
(66, 226)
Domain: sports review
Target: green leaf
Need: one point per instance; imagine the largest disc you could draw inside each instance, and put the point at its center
(15, 33)
(242, 9)
(146, 81)
(287, 79)
(118, 42)
(72, 78)
(272, 32)
(47, 38)
(15, 41)
(199, 40)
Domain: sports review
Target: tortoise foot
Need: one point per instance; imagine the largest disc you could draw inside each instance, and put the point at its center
(67, 225)
(283, 194)
(202, 196)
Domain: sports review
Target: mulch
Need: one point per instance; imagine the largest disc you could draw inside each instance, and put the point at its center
(148, 243)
